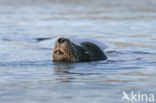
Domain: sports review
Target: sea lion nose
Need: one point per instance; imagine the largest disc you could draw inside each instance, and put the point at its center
(61, 40)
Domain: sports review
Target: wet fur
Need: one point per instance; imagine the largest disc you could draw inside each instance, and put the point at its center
(75, 53)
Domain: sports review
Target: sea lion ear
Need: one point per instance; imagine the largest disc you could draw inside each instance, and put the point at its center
(86, 52)
(88, 55)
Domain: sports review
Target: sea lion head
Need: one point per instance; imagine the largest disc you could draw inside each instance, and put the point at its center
(64, 51)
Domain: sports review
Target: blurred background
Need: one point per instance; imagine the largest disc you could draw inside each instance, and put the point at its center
(28, 29)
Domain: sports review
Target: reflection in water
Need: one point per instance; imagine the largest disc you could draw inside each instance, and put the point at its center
(62, 71)
(62, 68)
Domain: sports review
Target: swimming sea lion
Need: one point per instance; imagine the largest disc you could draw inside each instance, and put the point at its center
(66, 51)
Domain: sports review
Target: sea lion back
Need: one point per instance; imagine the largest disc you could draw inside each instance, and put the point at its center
(94, 51)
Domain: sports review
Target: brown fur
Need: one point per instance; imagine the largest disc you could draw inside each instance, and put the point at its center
(70, 52)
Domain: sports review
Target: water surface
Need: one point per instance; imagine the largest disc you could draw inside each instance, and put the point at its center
(29, 76)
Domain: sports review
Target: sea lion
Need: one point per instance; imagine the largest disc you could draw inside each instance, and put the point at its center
(66, 51)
